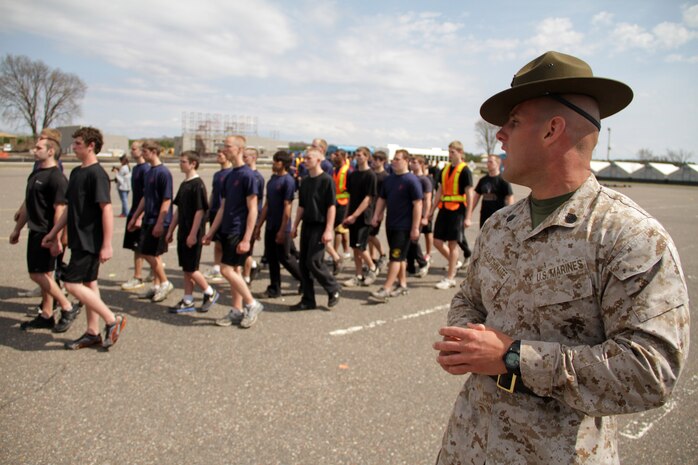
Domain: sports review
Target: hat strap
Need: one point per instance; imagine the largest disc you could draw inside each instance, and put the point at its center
(575, 108)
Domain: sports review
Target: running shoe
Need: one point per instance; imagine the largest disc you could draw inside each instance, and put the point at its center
(209, 300)
(113, 331)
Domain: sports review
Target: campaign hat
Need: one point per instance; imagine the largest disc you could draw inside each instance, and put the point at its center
(555, 73)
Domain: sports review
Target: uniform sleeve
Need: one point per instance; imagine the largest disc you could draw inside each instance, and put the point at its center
(102, 187)
(166, 184)
(331, 193)
(373, 185)
(466, 179)
(201, 196)
(60, 188)
(289, 189)
(416, 190)
(478, 187)
(645, 312)
(506, 188)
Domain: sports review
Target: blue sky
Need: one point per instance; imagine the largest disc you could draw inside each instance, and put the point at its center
(358, 72)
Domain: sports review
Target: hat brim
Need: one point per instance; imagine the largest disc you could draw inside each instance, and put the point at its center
(612, 96)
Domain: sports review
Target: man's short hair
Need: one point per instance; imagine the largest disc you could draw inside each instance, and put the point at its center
(420, 159)
(314, 150)
(284, 157)
(242, 140)
(151, 145)
(253, 151)
(456, 145)
(191, 156)
(322, 143)
(405, 154)
(53, 136)
(380, 155)
(365, 151)
(89, 136)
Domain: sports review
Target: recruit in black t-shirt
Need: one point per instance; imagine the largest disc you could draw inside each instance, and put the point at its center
(191, 197)
(87, 189)
(361, 184)
(45, 189)
(316, 195)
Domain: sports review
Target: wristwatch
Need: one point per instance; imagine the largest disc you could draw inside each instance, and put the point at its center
(511, 358)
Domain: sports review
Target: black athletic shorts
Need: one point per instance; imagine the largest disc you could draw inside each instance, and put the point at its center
(132, 239)
(82, 268)
(218, 236)
(230, 255)
(151, 245)
(428, 228)
(340, 214)
(449, 225)
(39, 259)
(375, 230)
(358, 235)
(189, 257)
(398, 243)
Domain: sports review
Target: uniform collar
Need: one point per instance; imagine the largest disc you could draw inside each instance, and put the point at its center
(568, 215)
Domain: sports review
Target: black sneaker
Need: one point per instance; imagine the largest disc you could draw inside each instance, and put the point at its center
(86, 340)
(209, 300)
(38, 322)
(67, 318)
(333, 299)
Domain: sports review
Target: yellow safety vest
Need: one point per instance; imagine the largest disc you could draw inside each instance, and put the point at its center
(451, 199)
(340, 184)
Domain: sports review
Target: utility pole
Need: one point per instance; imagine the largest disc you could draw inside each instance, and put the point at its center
(608, 148)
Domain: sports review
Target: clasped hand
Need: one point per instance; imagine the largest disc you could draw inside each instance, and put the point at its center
(473, 349)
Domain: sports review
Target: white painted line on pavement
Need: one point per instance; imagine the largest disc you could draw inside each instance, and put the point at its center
(375, 324)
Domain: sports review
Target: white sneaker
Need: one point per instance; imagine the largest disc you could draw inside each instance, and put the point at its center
(422, 272)
(163, 292)
(446, 284)
(133, 283)
(251, 312)
(214, 276)
(354, 281)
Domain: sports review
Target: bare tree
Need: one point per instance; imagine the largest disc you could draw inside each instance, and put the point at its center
(34, 94)
(678, 156)
(486, 135)
(645, 155)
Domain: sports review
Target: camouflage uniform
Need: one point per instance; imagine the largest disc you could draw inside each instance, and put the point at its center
(597, 295)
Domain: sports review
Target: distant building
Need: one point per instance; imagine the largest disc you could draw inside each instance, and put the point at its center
(114, 145)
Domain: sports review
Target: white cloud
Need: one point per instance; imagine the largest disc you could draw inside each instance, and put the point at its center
(678, 58)
(626, 36)
(690, 16)
(603, 18)
(556, 34)
(217, 38)
(672, 35)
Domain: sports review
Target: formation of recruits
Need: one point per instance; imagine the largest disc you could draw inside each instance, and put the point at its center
(336, 198)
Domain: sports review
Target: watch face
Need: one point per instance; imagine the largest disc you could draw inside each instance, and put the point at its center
(511, 360)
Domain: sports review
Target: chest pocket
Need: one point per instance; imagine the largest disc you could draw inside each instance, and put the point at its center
(562, 282)
(567, 310)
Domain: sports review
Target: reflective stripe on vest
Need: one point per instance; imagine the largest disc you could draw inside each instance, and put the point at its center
(449, 186)
(340, 184)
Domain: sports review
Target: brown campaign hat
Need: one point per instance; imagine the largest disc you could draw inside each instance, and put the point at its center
(555, 73)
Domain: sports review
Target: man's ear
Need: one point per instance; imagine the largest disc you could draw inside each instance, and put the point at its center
(554, 129)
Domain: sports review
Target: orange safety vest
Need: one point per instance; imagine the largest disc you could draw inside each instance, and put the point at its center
(451, 199)
(340, 184)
